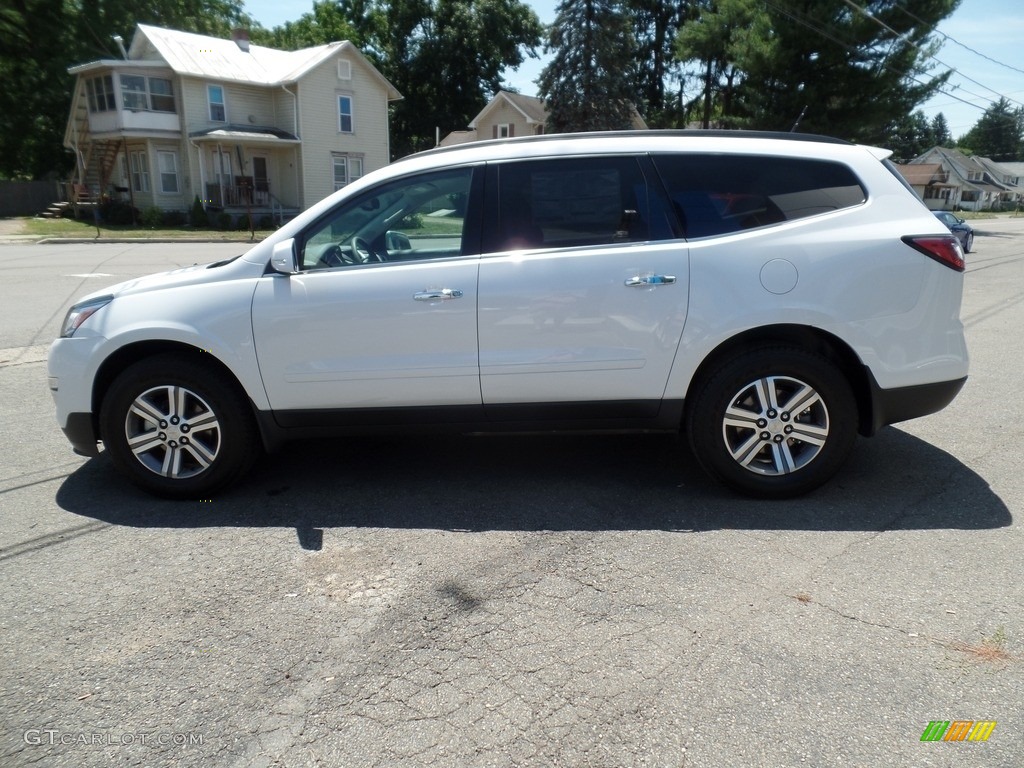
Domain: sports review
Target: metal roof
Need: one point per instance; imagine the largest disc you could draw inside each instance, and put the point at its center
(216, 58)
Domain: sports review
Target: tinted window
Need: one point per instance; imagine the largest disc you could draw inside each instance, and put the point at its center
(574, 203)
(716, 194)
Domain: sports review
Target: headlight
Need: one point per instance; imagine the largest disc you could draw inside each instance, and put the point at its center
(81, 312)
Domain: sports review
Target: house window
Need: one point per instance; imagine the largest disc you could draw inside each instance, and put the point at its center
(215, 94)
(346, 170)
(345, 114)
(100, 92)
(504, 131)
(161, 95)
(147, 94)
(140, 171)
(222, 167)
(167, 164)
(344, 69)
(133, 92)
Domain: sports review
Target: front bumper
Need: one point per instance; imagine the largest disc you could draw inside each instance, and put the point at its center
(80, 430)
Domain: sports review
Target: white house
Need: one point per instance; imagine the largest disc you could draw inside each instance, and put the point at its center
(239, 126)
(947, 179)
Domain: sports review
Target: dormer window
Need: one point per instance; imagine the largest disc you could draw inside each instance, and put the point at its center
(215, 95)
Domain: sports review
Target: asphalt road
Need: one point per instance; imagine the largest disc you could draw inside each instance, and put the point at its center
(524, 601)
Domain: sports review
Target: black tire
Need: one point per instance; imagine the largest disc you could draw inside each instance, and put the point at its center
(208, 439)
(969, 243)
(767, 452)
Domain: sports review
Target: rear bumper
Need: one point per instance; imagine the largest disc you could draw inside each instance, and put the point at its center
(889, 406)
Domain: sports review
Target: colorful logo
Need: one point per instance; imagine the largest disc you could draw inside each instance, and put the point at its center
(958, 730)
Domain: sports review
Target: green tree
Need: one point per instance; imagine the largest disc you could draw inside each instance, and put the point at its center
(910, 137)
(725, 39)
(328, 22)
(940, 131)
(589, 85)
(36, 92)
(453, 63)
(998, 135)
(846, 68)
(655, 24)
(40, 39)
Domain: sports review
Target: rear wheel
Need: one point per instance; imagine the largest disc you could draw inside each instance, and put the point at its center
(774, 423)
(178, 428)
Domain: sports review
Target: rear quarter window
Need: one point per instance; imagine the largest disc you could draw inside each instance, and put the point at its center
(718, 194)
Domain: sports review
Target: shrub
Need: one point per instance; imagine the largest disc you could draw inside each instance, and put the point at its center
(173, 219)
(198, 217)
(223, 220)
(412, 221)
(152, 217)
(118, 213)
(266, 222)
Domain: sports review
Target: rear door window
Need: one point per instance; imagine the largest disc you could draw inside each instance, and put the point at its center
(573, 203)
(718, 194)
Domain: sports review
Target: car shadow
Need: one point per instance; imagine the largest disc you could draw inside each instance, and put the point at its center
(547, 483)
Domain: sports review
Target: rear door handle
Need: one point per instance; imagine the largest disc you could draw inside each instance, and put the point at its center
(637, 280)
(440, 294)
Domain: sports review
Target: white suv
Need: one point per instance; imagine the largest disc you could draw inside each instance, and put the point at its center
(770, 295)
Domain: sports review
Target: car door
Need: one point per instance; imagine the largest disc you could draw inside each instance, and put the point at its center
(583, 288)
(382, 314)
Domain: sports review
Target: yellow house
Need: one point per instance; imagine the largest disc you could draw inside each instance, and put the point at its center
(511, 114)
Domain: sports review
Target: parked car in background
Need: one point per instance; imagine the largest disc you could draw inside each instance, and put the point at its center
(769, 295)
(958, 227)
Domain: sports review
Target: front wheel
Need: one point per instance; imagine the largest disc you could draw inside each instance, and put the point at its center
(775, 423)
(178, 428)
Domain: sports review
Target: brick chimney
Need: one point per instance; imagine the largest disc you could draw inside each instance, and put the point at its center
(241, 38)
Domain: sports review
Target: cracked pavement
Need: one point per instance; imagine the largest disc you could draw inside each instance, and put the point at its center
(586, 602)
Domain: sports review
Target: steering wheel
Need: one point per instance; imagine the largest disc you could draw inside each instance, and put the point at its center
(363, 253)
(334, 256)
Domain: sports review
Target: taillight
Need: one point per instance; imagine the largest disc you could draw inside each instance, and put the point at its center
(945, 249)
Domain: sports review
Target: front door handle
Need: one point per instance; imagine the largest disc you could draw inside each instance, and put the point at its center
(440, 294)
(645, 280)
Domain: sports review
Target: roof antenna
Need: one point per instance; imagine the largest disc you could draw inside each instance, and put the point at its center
(120, 45)
(801, 117)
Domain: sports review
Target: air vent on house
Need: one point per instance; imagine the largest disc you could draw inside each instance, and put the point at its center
(344, 69)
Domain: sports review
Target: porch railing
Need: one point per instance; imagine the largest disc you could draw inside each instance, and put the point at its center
(239, 195)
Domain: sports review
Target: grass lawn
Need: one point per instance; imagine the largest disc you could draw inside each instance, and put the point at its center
(75, 228)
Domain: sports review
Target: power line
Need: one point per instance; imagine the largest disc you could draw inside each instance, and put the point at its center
(905, 39)
(962, 45)
(852, 48)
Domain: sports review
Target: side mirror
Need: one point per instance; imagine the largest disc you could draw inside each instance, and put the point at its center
(284, 259)
(961, 221)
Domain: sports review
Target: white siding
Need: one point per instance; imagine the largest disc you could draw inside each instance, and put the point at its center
(318, 109)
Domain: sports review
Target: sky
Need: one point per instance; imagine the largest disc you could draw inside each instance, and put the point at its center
(994, 28)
